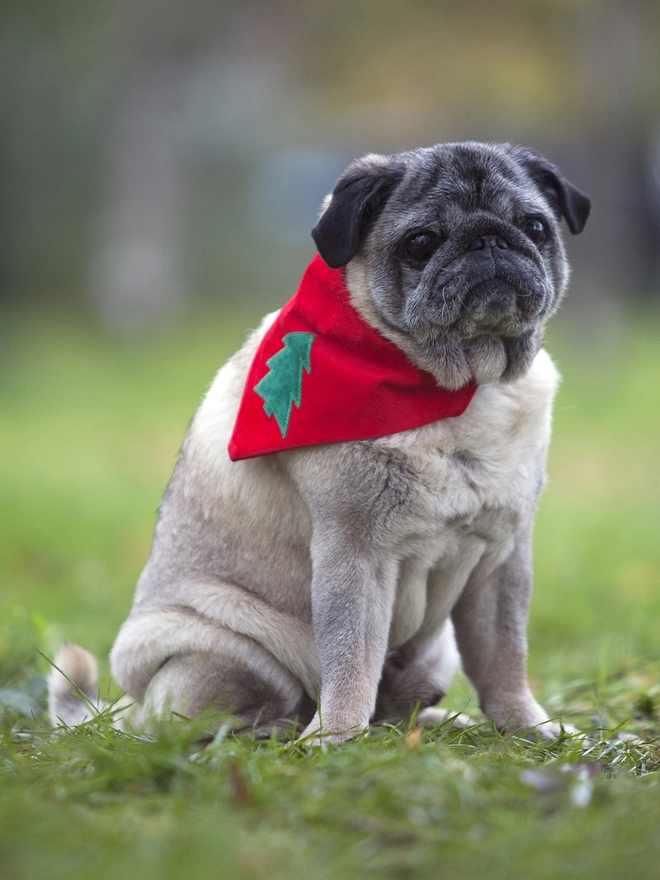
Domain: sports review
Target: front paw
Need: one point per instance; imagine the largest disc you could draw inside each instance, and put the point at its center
(433, 716)
(547, 730)
(319, 731)
(522, 715)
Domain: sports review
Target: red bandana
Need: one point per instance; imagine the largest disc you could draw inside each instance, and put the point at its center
(321, 374)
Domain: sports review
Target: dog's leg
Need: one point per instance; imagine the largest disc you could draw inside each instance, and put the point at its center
(490, 619)
(352, 600)
(190, 683)
(169, 660)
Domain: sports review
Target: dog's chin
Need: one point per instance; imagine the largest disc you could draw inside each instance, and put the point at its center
(487, 359)
(502, 359)
(478, 334)
(484, 358)
(493, 335)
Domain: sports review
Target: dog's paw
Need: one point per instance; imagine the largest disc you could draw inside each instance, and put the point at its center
(320, 739)
(432, 716)
(546, 731)
(317, 733)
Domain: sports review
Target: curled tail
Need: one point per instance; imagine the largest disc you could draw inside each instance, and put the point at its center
(73, 692)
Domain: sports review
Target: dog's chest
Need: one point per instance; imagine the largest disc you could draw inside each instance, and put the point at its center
(472, 482)
(451, 532)
(464, 483)
(458, 498)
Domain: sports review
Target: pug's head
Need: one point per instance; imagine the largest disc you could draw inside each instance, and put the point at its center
(454, 253)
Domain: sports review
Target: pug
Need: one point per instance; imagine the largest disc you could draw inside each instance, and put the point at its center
(351, 515)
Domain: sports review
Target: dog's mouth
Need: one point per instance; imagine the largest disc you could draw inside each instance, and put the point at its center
(499, 303)
(478, 324)
(477, 316)
(504, 300)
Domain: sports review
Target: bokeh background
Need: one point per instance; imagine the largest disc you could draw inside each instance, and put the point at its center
(161, 165)
(154, 150)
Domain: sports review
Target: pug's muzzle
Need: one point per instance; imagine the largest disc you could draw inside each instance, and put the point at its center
(488, 283)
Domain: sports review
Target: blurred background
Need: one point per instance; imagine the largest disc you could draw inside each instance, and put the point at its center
(154, 151)
(161, 165)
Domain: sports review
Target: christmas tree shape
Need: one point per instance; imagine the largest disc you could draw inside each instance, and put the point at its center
(281, 387)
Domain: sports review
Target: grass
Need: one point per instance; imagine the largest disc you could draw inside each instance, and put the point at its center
(89, 431)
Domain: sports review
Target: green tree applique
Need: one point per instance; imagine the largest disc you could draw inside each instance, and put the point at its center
(281, 387)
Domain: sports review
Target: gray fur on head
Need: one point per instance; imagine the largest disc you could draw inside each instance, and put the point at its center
(455, 253)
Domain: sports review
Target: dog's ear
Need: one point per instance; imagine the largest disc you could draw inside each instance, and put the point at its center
(568, 201)
(355, 202)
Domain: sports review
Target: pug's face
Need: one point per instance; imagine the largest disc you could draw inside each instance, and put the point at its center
(455, 253)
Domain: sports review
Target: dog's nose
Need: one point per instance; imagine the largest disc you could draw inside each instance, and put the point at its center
(489, 241)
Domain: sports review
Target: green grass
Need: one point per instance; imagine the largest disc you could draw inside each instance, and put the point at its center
(89, 432)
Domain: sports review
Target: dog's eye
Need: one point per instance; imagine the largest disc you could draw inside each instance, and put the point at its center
(420, 246)
(535, 229)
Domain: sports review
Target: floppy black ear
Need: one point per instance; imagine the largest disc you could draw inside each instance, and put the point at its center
(358, 197)
(570, 202)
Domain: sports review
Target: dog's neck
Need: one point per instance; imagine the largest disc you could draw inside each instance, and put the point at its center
(481, 359)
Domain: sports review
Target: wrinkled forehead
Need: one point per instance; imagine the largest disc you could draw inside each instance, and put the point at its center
(450, 181)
